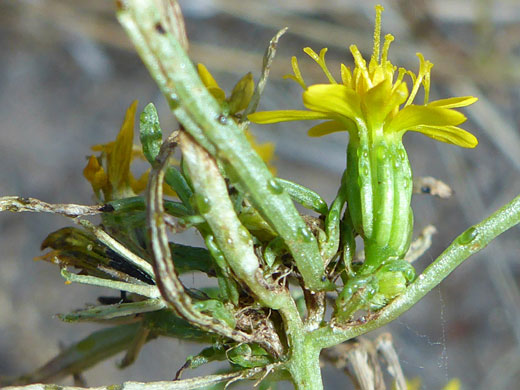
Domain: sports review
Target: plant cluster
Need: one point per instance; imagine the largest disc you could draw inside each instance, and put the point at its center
(277, 272)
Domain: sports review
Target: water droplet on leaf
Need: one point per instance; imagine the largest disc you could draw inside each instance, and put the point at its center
(306, 234)
(202, 203)
(274, 187)
(381, 152)
(468, 236)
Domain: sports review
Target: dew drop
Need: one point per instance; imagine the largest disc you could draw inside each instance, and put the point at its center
(365, 171)
(381, 152)
(468, 236)
(306, 234)
(173, 102)
(274, 186)
(202, 203)
(362, 152)
(222, 119)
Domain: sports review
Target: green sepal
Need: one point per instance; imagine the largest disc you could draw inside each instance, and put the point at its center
(150, 134)
(391, 284)
(216, 309)
(207, 355)
(251, 218)
(356, 293)
(274, 249)
(241, 94)
(228, 289)
(228, 286)
(248, 356)
(304, 196)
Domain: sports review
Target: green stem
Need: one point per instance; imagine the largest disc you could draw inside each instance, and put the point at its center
(304, 365)
(468, 243)
(144, 289)
(202, 117)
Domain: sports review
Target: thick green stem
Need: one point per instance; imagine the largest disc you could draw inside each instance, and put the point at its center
(202, 117)
(468, 243)
(304, 365)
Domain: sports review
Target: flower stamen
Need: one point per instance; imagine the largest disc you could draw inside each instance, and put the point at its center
(361, 65)
(377, 34)
(297, 74)
(424, 68)
(320, 60)
(389, 38)
(400, 77)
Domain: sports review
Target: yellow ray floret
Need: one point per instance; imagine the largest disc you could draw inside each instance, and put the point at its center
(110, 172)
(375, 97)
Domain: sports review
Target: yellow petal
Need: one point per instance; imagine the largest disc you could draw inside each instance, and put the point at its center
(206, 77)
(119, 159)
(95, 174)
(140, 184)
(449, 134)
(218, 94)
(210, 83)
(265, 150)
(326, 128)
(137, 152)
(168, 191)
(332, 98)
(453, 384)
(346, 76)
(241, 94)
(454, 102)
(413, 384)
(265, 117)
(412, 116)
(379, 101)
(106, 148)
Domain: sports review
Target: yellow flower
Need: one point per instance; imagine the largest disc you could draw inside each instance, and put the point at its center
(110, 172)
(236, 102)
(373, 101)
(415, 384)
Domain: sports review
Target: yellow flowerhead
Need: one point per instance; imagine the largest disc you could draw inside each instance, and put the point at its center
(373, 100)
(110, 172)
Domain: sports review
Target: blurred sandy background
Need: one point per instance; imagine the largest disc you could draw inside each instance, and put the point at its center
(67, 74)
